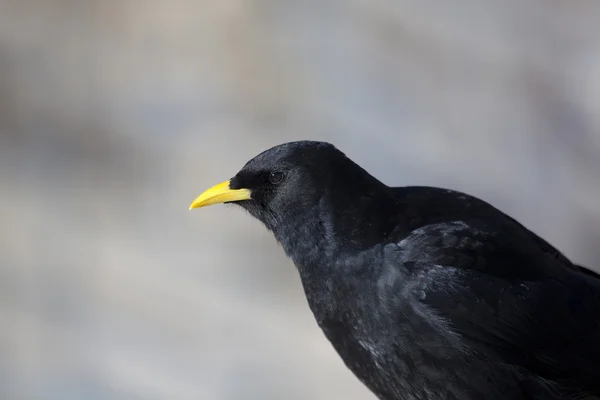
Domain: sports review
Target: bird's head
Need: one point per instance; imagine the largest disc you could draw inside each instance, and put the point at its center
(308, 193)
(280, 183)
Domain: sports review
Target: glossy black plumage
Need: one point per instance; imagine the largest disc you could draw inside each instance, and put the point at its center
(428, 293)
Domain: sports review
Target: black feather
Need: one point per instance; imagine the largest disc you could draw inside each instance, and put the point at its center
(428, 293)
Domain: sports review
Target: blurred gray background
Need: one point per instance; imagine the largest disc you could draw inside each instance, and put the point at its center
(115, 115)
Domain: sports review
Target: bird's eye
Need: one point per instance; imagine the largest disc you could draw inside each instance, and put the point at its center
(275, 177)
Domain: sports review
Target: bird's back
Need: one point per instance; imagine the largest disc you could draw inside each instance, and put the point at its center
(424, 205)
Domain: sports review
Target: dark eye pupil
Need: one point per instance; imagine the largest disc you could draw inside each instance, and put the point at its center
(275, 177)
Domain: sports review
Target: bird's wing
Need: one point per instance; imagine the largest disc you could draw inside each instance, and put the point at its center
(505, 299)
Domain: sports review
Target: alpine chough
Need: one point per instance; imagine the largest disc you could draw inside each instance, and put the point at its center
(425, 293)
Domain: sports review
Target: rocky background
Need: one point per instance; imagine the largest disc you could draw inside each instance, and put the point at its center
(114, 115)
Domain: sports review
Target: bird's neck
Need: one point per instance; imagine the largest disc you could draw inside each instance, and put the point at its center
(343, 223)
(308, 238)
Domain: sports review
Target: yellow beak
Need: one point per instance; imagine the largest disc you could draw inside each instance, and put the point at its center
(220, 193)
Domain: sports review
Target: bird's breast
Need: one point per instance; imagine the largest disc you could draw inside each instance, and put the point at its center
(388, 343)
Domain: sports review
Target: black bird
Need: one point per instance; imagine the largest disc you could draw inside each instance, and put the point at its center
(425, 293)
